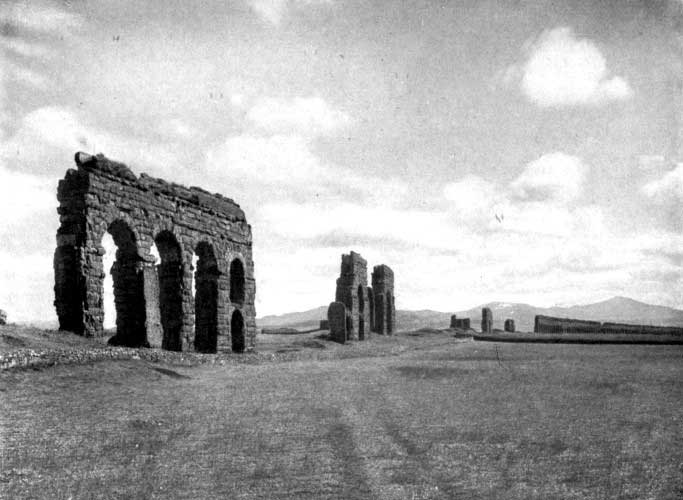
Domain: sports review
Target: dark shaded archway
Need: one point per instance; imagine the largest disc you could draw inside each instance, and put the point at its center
(237, 282)
(129, 297)
(361, 312)
(206, 299)
(170, 272)
(237, 332)
(371, 310)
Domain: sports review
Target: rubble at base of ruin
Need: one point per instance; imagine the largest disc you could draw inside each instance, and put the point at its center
(155, 303)
(366, 308)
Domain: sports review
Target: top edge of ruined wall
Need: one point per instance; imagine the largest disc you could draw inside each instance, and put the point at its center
(353, 257)
(383, 270)
(554, 318)
(100, 164)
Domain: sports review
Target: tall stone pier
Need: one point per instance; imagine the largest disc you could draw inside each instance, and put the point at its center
(352, 286)
(155, 303)
(384, 299)
(486, 320)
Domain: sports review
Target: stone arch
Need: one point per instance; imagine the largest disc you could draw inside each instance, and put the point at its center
(170, 272)
(237, 281)
(129, 297)
(206, 298)
(237, 331)
(390, 313)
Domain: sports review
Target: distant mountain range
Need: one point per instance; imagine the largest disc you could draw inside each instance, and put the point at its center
(616, 309)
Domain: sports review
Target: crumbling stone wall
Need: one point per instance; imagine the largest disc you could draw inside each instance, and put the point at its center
(640, 329)
(352, 286)
(463, 323)
(549, 324)
(155, 304)
(486, 320)
(385, 305)
(368, 309)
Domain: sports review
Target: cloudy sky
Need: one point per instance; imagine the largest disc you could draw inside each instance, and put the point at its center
(524, 151)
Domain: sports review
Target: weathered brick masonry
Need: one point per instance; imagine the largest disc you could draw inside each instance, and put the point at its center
(384, 303)
(154, 303)
(352, 286)
(486, 320)
(366, 309)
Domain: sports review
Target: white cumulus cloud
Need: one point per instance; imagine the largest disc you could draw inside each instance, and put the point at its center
(304, 115)
(552, 177)
(277, 159)
(561, 69)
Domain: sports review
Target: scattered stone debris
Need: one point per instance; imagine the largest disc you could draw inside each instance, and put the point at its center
(154, 303)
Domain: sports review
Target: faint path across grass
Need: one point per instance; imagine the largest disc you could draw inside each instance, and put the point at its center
(438, 419)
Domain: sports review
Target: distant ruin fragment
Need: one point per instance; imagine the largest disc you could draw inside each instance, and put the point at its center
(549, 324)
(486, 320)
(352, 292)
(155, 303)
(324, 324)
(509, 325)
(384, 299)
(367, 309)
(3, 317)
(463, 323)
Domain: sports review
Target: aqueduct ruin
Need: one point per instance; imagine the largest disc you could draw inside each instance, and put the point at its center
(359, 309)
(155, 304)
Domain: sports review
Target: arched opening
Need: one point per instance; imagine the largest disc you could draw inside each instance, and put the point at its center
(237, 331)
(170, 272)
(390, 306)
(108, 306)
(128, 284)
(237, 281)
(349, 326)
(206, 299)
(361, 313)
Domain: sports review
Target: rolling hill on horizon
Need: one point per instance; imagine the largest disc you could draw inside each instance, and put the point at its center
(616, 309)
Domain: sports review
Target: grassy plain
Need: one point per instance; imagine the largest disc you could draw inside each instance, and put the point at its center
(425, 416)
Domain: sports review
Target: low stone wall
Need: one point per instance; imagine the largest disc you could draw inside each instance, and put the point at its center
(549, 324)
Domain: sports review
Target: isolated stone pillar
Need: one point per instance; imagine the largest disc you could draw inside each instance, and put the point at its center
(510, 325)
(486, 320)
(336, 318)
(155, 333)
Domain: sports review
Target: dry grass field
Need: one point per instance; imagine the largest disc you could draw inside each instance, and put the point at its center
(418, 416)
